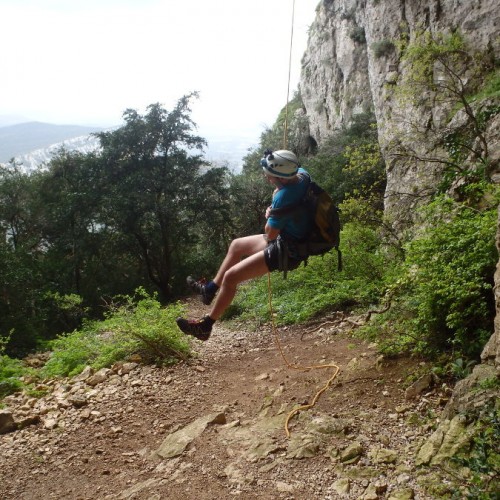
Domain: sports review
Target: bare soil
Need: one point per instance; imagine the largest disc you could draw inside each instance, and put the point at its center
(109, 453)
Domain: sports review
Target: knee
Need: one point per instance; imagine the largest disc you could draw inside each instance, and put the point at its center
(236, 247)
(230, 279)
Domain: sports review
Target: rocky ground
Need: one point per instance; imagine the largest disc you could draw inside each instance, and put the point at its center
(214, 428)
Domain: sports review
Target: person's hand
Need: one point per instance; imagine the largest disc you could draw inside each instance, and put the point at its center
(268, 212)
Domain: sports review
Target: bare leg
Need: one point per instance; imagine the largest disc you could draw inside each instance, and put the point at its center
(251, 267)
(233, 271)
(239, 248)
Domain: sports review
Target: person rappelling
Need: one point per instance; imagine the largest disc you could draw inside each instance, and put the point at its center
(253, 256)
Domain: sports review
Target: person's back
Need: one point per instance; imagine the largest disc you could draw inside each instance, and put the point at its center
(296, 225)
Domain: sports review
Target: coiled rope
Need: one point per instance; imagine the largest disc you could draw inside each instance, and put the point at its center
(335, 368)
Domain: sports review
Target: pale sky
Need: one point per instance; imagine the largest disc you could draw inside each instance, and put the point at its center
(85, 61)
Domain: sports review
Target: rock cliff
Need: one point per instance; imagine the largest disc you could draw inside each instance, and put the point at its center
(353, 64)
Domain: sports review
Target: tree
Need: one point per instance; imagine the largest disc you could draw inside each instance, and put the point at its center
(20, 244)
(157, 189)
(250, 196)
(18, 212)
(82, 256)
(349, 162)
(456, 85)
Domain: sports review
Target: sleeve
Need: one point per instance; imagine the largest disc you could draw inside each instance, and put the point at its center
(278, 202)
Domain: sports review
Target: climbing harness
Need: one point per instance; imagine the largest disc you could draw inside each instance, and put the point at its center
(335, 368)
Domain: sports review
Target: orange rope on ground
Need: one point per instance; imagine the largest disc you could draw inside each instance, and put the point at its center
(336, 369)
(276, 337)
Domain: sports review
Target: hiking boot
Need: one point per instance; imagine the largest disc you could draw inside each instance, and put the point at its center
(198, 328)
(200, 287)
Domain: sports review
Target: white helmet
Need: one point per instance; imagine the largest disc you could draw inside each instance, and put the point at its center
(281, 163)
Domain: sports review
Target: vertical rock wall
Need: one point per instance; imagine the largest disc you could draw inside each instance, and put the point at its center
(352, 65)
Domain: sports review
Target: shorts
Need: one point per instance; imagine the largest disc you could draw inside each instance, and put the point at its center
(274, 255)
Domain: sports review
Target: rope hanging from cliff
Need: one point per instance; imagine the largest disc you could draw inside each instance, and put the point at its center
(335, 368)
(285, 128)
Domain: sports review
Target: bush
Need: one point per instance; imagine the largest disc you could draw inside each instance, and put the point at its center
(144, 327)
(443, 296)
(382, 48)
(358, 34)
(319, 287)
(10, 371)
(337, 166)
(483, 457)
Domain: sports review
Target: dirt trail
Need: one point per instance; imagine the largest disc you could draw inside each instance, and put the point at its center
(359, 441)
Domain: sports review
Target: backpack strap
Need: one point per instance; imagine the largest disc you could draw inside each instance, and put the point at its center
(282, 255)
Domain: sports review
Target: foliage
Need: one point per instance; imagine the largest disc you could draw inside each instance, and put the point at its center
(490, 87)
(382, 48)
(22, 280)
(10, 371)
(64, 312)
(461, 369)
(483, 457)
(349, 162)
(358, 34)
(444, 71)
(445, 64)
(251, 191)
(140, 327)
(145, 210)
(366, 170)
(319, 287)
(350, 167)
(442, 296)
(158, 193)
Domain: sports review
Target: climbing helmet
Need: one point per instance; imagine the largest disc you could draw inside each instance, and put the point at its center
(281, 163)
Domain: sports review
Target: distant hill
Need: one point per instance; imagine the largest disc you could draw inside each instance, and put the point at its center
(22, 138)
(33, 144)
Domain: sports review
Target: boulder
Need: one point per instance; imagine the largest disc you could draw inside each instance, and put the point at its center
(7, 423)
(98, 377)
(175, 443)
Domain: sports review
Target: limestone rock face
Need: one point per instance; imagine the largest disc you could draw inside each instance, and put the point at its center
(352, 65)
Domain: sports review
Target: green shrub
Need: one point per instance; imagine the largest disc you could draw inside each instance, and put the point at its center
(319, 287)
(349, 160)
(442, 295)
(452, 268)
(10, 371)
(382, 48)
(358, 34)
(143, 327)
(483, 457)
